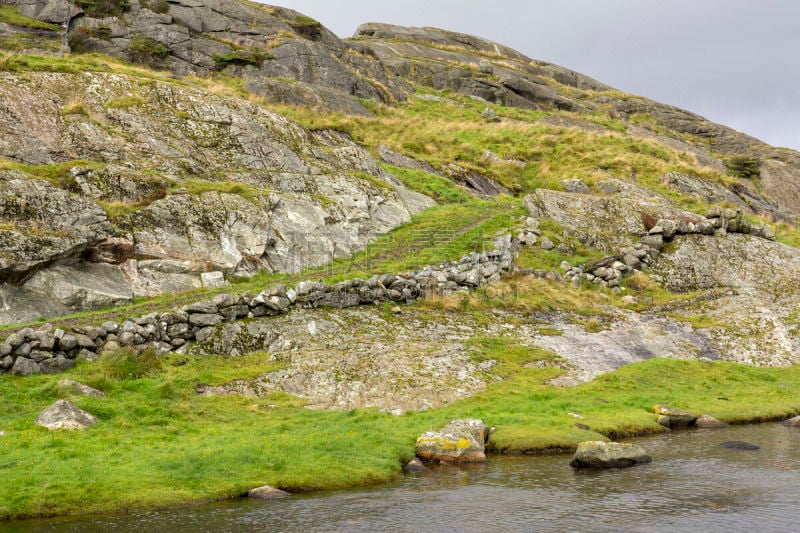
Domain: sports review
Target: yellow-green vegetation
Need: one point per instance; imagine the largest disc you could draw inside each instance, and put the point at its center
(11, 15)
(57, 173)
(124, 102)
(164, 444)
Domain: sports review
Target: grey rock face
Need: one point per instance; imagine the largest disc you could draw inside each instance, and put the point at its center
(65, 415)
(598, 454)
(81, 263)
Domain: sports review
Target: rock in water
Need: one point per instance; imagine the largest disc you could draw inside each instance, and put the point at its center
(461, 441)
(599, 454)
(674, 418)
(65, 415)
(267, 493)
(792, 422)
(739, 445)
(709, 422)
(414, 465)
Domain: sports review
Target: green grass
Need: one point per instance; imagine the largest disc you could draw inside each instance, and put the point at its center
(11, 15)
(57, 174)
(158, 443)
(443, 190)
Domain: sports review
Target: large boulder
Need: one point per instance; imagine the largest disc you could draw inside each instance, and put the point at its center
(599, 454)
(461, 441)
(65, 415)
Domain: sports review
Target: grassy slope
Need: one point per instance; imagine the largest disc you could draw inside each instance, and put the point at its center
(158, 443)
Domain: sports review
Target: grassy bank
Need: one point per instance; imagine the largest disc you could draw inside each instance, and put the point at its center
(158, 443)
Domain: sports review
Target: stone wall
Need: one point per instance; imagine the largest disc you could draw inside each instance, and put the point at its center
(610, 271)
(50, 350)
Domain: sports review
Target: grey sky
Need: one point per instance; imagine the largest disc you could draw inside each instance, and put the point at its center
(736, 62)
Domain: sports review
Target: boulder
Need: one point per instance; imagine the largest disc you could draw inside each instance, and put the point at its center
(80, 389)
(461, 441)
(674, 418)
(599, 454)
(65, 415)
(267, 493)
(55, 365)
(25, 367)
(792, 422)
(709, 422)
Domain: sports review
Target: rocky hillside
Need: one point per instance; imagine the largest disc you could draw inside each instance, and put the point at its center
(154, 147)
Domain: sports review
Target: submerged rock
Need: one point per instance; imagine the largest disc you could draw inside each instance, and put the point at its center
(461, 441)
(599, 454)
(65, 415)
(739, 445)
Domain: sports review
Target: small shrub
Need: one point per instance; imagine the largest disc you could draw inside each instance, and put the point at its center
(78, 40)
(159, 6)
(102, 32)
(307, 27)
(104, 8)
(241, 57)
(75, 108)
(649, 221)
(126, 363)
(744, 166)
(147, 51)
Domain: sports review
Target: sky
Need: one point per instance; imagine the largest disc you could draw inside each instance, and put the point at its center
(736, 62)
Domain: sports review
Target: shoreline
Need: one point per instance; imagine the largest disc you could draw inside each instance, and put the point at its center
(170, 498)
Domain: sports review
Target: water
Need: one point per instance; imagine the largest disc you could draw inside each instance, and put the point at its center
(692, 485)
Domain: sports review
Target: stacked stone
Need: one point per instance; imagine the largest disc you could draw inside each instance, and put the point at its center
(49, 350)
(610, 271)
(731, 221)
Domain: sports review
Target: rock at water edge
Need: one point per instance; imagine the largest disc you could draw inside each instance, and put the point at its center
(792, 422)
(674, 418)
(461, 441)
(709, 422)
(599, 454)
(267, 493)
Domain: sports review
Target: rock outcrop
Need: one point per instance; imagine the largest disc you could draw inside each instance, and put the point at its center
(226, 187)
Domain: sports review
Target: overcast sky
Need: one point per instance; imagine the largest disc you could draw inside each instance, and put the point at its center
(736, 62)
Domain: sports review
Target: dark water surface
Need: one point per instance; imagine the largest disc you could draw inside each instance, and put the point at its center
(692, 485)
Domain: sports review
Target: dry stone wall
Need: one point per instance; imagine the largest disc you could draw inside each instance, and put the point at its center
(50, 350)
